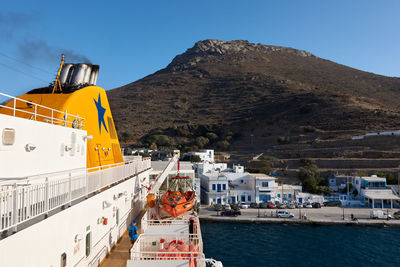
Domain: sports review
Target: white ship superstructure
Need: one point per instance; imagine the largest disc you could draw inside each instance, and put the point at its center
(53, 210)
(66, 194)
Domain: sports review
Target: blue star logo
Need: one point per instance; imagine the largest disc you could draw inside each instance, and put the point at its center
(100, 112)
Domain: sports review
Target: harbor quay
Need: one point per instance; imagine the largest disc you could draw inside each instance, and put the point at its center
(320, 216)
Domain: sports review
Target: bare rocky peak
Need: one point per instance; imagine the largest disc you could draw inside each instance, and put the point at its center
(239, 49)
(212, 46)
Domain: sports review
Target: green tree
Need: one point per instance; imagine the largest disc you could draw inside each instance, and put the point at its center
(160, 140)
(223, 145)
(202, 141)
(124, 137)
(311, 179)
(153, 146)
(211, 136)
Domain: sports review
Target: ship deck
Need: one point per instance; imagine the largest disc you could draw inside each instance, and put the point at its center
(119, 254)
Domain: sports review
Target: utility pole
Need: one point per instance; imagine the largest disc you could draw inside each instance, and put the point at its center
(343, 213)
(300, 212)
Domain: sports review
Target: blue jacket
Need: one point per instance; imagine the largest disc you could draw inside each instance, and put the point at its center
(133, 232)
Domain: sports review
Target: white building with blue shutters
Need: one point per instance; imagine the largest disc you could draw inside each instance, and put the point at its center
(265, 188)
(214, 188)
(237, 186)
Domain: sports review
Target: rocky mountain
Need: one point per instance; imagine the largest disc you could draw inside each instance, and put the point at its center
(245, 97)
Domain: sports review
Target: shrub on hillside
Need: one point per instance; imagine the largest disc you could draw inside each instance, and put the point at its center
(223, 145)
(158, 139)
(202, 141)
(283, 140)
(124, 137)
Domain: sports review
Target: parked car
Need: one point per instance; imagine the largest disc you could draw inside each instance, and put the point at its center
(244, 206)
(316, 205)
(291, 206)
(231, 212)
(396, 215)
(263, 205)
(333, 203)
(271, 205)
(379, 214)
(281, 206)
(307, 205)
(284, 214)
(298, 205)
(253, 205)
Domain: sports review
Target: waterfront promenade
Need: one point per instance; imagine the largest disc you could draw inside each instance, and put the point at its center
(322, 216)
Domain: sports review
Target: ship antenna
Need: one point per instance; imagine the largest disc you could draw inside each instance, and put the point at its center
(57, 84)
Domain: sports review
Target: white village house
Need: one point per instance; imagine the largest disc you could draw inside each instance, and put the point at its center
(237, 186)
(375, 191)
(206, 155)
(371, 191)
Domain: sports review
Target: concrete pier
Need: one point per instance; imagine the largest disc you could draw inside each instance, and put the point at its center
(322, 216)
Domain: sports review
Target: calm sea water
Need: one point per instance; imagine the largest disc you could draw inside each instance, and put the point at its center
(291, 245)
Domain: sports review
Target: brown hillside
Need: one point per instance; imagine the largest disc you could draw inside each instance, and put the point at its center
(247, 95)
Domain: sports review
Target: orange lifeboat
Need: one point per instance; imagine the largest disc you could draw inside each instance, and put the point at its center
(175, 203)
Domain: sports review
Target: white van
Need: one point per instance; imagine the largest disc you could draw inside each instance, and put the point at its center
(284, 214)
(379, 214)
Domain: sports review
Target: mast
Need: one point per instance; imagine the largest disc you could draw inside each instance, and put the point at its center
(57, 84)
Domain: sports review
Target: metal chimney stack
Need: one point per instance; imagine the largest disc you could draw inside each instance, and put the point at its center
(79, 74)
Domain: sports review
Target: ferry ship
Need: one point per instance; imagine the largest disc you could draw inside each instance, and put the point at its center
(68, 195)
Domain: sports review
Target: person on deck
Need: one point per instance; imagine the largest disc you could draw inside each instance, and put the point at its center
(133, 233)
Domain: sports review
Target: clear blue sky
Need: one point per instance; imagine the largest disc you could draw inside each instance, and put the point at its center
(132, 39)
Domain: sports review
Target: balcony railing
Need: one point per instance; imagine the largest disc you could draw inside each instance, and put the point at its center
(169, 222)
(150, 247)
(23, 200)
(11, 105)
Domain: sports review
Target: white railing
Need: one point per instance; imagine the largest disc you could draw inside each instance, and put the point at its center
(38, 114)
(150, 247)
(146, 223)
(200, 261)
(20, 202)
